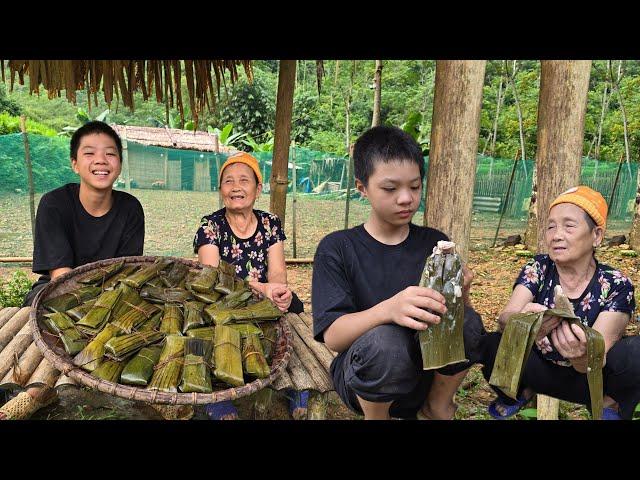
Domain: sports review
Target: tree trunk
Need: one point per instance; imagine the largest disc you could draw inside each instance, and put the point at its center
(561, 111)
(605, 106)
(348, 144)
(495, 120)
(454, 148)
(279, 167)
(27, 160)
(377, 93)
(512, 80)
(624, 120)
(634, 236)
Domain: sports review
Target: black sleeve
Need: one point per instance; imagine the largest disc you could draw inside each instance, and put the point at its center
(132, 241)
(331, 292)
(51, 245)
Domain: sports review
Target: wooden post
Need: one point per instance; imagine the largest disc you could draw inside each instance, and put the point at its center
(377, 94)
(279, 167)
(216, 146)
(561, 111)
(454, 148)
(506, 199)
(27, 159)
(125, 161)
(293, 158)
(349, 175)
(166, 167)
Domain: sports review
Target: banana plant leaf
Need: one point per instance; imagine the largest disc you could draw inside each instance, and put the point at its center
(109, 370)
(268, 340)
(207, 297)
(118, 348)
(193, 317)
(226, 278)
(443, 344)
(205, 333)
(246, 329)
(146, 274)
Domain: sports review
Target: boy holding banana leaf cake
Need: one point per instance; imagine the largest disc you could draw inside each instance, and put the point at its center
(366, 302)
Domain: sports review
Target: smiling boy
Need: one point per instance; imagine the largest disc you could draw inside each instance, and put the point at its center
(366, 305)
(81, 223)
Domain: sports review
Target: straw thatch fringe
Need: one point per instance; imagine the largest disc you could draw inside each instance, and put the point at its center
(124, 77)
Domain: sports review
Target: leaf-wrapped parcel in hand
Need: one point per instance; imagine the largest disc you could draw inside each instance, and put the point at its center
(443, 344)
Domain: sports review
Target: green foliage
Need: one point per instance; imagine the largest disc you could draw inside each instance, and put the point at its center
(225, 137)
(251, 108)
(8, 105)
(11, 124)
(528, 414)
(12, 292)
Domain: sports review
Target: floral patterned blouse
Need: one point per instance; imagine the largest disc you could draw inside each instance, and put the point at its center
(249, 255)
(608, 291)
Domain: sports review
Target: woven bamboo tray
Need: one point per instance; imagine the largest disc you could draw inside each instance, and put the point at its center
(53, 351)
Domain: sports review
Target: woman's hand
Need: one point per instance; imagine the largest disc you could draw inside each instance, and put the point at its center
(571, 343)
(279, 294)
(549, 323)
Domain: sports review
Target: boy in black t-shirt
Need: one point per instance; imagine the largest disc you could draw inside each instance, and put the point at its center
(366, 302)
(81, 223)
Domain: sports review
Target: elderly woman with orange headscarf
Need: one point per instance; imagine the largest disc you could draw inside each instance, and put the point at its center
(602, 297)
(252, 241)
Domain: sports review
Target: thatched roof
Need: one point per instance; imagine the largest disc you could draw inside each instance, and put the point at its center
(151, 77)
(171, 138)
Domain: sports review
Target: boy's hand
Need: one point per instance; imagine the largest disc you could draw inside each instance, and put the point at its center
(406, 308)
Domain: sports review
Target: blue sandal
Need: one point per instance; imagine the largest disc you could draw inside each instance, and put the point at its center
(610, 414)
(219, 410)
(298, 403)
(509, 409)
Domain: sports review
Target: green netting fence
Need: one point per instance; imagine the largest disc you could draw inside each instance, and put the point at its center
(169, 183)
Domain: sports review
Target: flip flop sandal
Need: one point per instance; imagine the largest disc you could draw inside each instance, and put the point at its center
(219, 410)
(298, 403)
(610, 414)
(509, 410)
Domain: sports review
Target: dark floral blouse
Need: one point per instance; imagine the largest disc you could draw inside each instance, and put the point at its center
(608, 291)
(249, 255)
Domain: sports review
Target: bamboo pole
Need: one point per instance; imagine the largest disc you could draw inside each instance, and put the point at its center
(216, 146)
(349, 175)
(506, 199)
(27, 159)
(125, 161)
(293, 159)
(615, 184)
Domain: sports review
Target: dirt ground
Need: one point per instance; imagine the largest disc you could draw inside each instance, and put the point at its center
(495, 270)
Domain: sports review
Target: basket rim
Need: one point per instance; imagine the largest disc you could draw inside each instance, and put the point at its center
(284, 347)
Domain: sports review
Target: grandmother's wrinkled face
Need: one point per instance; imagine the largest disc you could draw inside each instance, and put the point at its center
(239, 187)
(569, 237)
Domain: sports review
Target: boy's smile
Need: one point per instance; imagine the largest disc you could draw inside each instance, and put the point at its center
(97, 161)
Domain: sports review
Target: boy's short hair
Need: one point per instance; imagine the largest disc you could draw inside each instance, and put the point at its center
(384, 144)
(91, 128)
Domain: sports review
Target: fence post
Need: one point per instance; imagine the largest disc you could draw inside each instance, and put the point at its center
(27, 159)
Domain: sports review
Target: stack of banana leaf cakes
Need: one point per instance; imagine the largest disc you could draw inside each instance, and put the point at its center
(165, 326)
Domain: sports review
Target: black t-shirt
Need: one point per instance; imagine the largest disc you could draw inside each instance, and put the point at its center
(67, 235)
(352, 271)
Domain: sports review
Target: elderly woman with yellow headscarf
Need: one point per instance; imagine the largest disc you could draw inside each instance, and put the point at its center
(252, 241)
(602, 297)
